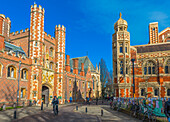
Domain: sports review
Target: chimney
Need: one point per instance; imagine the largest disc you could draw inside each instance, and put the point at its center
(75, 65)
(2, 44)
(82, 69)
(67, 63)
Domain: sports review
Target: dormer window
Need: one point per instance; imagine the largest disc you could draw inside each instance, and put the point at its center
(120, 28)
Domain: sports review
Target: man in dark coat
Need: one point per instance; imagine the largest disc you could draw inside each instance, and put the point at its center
(167, 109)
(55, 102)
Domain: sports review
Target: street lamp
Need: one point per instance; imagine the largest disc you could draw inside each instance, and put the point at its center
(17, 91)
(133, 60)
(66, 90)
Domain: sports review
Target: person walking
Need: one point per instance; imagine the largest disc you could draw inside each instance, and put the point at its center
(55, 105)
(167, 109)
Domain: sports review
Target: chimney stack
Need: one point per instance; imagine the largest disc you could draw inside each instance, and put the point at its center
(67, 63)
(82, 69)
(75, 65)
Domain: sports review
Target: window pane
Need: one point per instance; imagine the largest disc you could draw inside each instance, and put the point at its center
(121, 70)
(126, 49)
(149, 70)
(22, 74)
(145, 70)
(121, 49)
(166, 69)
(12, 73)
(9, 71)
(153, 70)
(25, 75)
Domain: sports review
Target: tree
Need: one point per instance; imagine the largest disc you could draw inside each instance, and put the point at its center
(103, 75)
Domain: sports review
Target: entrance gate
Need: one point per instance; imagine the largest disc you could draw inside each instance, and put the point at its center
(45, 94)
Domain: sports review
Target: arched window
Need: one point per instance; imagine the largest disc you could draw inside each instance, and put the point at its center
(121, 67)
(143, 92)
(69, 82)
(51, 51)
(168, 92)
(167, 67)
(11, 72)
(156, 92)
(149, 68)
(24, 74)
(51, 65)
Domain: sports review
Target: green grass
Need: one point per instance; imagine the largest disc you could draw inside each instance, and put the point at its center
(7, 108)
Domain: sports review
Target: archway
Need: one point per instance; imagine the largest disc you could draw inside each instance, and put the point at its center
(45, 94)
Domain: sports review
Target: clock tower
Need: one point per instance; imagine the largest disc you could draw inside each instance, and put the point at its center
(121, 58)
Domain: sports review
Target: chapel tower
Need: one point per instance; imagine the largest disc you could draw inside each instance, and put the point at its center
(121, 58)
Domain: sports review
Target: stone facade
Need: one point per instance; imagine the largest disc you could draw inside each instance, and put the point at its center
(151, 65)
(44, 72)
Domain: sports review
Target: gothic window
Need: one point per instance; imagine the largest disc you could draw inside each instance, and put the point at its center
(23, 92)
(168, 92)
(143, 92)
(167, 67)
(35, 43)
(11, 72)
(24, 74)
(126, 70)
(35, 77)
(149, 68)
(51, 65)
(83, 84)
(125, 49)
(121, 49)
(35, 61)
(156, 92)
(93, 83)
(51, 51)
(121, 67)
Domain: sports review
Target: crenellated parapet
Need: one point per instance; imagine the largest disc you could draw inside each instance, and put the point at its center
(21, 32)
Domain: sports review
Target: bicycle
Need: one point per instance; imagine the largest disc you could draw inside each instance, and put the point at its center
(55, 109)
(149, 112)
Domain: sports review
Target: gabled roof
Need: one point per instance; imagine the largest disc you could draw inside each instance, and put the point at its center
(9, 46)
(86, 62)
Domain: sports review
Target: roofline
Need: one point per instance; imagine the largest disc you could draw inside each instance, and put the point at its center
(168, 28)
(151, 44)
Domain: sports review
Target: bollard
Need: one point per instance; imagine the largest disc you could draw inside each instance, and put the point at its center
(42, 106)
(46, 104)
(4, 107)
(76, 108)
(15, 114)
(86, 109)
(102, 101)
(101, 112)
(23, 104)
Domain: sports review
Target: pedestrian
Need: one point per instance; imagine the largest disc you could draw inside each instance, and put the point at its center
(55, 103)
(167, 109)
(96, 100)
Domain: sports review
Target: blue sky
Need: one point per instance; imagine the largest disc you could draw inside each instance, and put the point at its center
(89, 23)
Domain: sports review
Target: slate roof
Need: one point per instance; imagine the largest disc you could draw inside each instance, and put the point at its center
(9, 46)
(153, 48)
(86, 62)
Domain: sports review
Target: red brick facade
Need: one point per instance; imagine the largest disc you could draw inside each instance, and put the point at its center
(43, 72)
(151, 65)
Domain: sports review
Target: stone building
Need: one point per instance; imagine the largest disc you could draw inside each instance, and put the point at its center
(151, 65)
(40, 59)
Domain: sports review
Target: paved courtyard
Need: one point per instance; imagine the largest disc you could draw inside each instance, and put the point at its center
(67, 113)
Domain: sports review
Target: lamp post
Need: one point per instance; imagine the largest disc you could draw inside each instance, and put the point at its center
(15, 112)
(75, 87)
(133, 60)
(18, 82)
(66, 90)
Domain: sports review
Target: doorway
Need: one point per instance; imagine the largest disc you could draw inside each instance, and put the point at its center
(45, 94)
